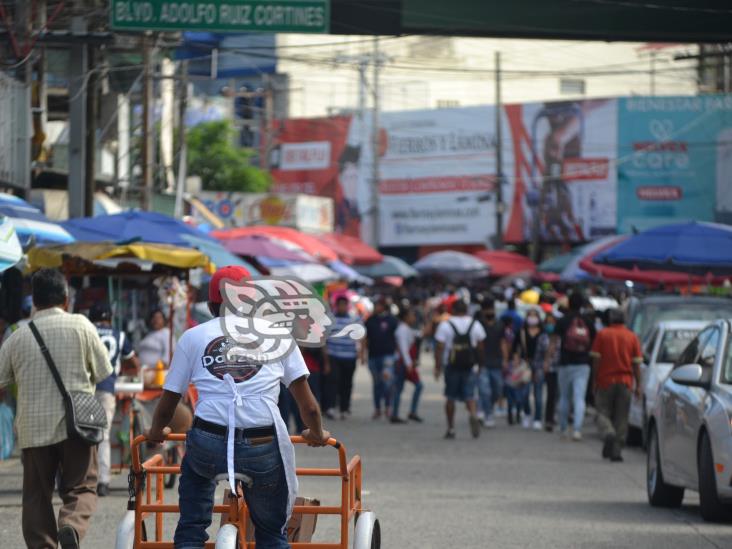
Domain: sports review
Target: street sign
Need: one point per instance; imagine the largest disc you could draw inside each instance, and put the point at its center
(300, 16)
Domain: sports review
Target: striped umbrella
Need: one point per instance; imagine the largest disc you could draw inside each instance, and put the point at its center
(30, 223)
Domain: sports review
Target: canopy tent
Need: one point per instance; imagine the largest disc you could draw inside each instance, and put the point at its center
(390, 266)
(30, 223)
(309, 243)
(692, 248)
(452, 264)
(133, 225)
(503, 263)
(10, 249)
(82, 258)
(351, 250)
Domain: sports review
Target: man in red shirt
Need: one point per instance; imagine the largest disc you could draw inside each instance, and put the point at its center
(616, 357)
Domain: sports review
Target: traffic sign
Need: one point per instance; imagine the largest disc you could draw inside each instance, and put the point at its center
(300, 16)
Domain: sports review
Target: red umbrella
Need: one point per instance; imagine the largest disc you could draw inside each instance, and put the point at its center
(350, 249)
(505, 263)
(307, 242)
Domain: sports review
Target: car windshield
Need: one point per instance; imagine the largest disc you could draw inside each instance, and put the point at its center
(652, 313)
(674, 341)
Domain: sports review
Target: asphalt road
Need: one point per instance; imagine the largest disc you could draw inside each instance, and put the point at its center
(510, 488)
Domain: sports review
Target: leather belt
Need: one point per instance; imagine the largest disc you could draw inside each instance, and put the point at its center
(239, 434)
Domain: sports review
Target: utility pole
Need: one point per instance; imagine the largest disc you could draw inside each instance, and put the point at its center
(499, 156)
(375, 175)
(183, 147)
(23, 75)
(148, 150)
(78, 74)
(90, 138)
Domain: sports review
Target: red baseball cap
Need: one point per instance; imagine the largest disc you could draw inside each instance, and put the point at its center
(230, 272)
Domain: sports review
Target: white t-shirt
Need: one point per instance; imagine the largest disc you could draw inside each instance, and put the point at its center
(405, 339)
(199, 358)
(445, 334)
(153, 347)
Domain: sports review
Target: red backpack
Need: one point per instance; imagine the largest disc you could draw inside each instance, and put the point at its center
(577, 337)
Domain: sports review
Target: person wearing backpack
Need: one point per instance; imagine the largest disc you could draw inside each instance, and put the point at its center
(459, 348)
(573, 335)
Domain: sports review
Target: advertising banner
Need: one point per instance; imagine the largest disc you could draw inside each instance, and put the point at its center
(674, 160)
(563, 172)
(437, 166)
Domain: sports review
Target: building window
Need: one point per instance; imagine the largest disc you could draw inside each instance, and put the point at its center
(571, 86)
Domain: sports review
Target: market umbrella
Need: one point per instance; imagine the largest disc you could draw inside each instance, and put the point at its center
(309, 243)
(30, 223)
(220, 256)
(505, 263)
(133, 225)
(693, 248)
(452, 263)
(311, 273)
(262, 246)
(10, 249)
(349, 273)
(350, 249)
(390, 266)
(566, 266)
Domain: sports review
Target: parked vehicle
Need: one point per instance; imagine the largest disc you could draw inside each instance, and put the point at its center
(645, 313)
(662, 349)
(690, 429)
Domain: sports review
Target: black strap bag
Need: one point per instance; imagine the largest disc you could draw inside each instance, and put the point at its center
(85, 417)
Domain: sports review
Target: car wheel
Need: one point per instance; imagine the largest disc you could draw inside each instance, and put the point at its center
(660, 494)
(712, 509)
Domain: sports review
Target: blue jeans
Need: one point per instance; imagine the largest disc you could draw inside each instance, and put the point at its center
(490, 389)
(538, 387)
(400, 376)
(573, 380)
(266, 498)
(518, 399)
(418, 386)
(382, 371)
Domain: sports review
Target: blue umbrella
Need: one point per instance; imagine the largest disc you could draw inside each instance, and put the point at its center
(692, 247)
(30, 223)
(10, 250)
(133, 225)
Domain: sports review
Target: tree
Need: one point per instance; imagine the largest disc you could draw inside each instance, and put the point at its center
(219, 163)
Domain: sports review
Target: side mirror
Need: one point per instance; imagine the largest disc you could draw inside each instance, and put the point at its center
(690, 375)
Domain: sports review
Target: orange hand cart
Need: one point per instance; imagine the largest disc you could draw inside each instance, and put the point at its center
(147, 501)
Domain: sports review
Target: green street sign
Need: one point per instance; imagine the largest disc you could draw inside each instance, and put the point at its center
(304, 16)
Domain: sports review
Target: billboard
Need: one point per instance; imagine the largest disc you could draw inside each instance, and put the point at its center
(434, 166)
(674, 160)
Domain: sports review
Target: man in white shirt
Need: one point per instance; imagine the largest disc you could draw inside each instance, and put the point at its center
(235, 391)
(459, 348)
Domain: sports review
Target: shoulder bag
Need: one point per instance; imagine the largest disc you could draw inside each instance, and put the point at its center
(85, 417)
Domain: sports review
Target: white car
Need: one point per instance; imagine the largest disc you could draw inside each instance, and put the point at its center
(690, 427)
(660, 352)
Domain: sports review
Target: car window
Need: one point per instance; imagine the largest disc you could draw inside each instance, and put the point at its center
(650, 314)
(650, 344)
(673, 344)
(691, 353)
(708, 352)
(727, 366)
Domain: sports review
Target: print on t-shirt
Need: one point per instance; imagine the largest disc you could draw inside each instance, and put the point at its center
(219, 362)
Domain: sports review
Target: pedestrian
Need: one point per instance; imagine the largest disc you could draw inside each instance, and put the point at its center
(121, 356)
(155, 346)
(343, 353)
(81, 360)
(381, 344)
(406, 365)
(459, 349)
(524, 354)
(238, 429)
(573, 335)
(548, 365)
(616, 358)
(490, 374)
(513, 315)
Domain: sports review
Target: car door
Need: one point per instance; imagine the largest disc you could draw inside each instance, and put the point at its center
(669, 431)
(636, 416)
(689, 404)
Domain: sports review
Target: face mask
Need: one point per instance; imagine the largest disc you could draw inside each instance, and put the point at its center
(549, 328)
(532, 321)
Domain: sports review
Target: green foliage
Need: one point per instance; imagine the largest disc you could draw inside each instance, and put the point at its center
(220, 164)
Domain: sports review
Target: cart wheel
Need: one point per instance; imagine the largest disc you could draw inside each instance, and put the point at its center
(367, 534)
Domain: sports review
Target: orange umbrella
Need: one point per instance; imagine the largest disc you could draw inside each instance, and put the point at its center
(307, 242)
(505, 263)
(350, 249)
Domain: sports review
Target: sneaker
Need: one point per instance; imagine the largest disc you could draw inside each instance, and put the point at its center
(480, 414)
(607, 447)
(68, 538)
(576, 436)
(415, 417)
(102, 489)
(537, 425)
(474, 426)
(616, 458)
(526, 422)
(450, 434)
(397, 420)
(500, 411)
(489, 423)
(377, 414)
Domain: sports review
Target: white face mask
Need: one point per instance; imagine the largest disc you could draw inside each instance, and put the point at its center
(532, 321)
